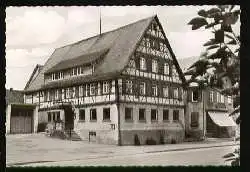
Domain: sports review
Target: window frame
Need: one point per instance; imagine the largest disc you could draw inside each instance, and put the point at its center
(166, 69)
(104, 113)
(163, 114)
(211, 96)
(155, 90)
(156, 115)
(131, 114)
(165, 90)
(129, 86)
(144, 115)
(80, 115)
(155, 66)
(178, 115)
(193, 95)
(176, 93)
(91, 115)
(105, 87)
(142, 88)
(143, 63)
(92, 87)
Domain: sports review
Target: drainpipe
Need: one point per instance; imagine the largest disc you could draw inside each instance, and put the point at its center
(118, 111)
(203, 103)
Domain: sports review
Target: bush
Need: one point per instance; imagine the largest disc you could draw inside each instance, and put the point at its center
(136, 140)
(150, 141)
(41, 127)
(162, 139)
(58, 134)
(173, 141)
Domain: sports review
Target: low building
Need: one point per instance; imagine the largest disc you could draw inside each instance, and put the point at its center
(20, 117)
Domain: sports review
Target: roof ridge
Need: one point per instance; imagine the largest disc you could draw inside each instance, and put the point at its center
(98, 35)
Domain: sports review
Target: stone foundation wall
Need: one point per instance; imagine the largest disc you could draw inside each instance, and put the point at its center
(128, 136)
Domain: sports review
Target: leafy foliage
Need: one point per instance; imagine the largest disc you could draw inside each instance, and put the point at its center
(221, 57)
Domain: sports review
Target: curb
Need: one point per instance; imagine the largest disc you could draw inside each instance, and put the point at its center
(191, 148)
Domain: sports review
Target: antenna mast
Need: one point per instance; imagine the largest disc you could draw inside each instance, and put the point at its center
(100, 22)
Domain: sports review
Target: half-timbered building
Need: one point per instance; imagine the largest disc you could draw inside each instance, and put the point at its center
(123, 84)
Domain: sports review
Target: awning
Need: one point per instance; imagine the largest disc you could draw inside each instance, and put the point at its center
(222, 119)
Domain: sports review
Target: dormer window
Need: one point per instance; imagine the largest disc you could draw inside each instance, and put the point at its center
(105, 87)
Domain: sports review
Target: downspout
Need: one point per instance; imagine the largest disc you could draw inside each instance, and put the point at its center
(118, 110)
(203, 103)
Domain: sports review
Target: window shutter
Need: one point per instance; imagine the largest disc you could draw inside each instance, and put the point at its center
(199, 95)
(149, 65)
(137, 62)
(77, 91)
(171, 92)
(123, 86)
(179, 93)
(189, 92)
(60, 94)
(215, 97)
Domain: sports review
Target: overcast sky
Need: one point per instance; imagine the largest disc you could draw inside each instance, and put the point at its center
(32, 33)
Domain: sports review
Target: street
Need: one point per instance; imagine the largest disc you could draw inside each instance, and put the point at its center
(40, 150)
(204, 157)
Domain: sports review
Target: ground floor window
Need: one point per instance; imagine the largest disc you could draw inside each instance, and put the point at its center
(82, 114)
(54, 116)
(142, 116)
(165, 114)
(194, 119)
(93, 116)
(153, 115)
(106, 114)
(176, 115)
(128, 114)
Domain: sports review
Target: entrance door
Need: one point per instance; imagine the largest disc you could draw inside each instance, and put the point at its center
(21, 121)
(69, 117)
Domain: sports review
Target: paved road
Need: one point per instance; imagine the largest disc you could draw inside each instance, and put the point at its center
(204, 156)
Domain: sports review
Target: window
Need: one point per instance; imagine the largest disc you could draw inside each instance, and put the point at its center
(74, 71)
(194, 119)
(218, 97)
(165, 114)
(81, 91)
(129, 86)
(142, 63)
(222, 98)
(57, 94)
(106, 114)
(195, 95)
(49, 117)
(153, 115)
(67, 92)
(211, 96)
(79, 70)
(155, 90)
(61, 75)
(165, 91)
(82, 114)
(128, 114)
(229, 100)
(166, 69)
(58, 116)
(93, 116)
(105, 87)
(92, 89)
(54, 116)
(176, 93)
(154, 66)
(142, 115)
(142, 88)
(73, 92)
(176, 115)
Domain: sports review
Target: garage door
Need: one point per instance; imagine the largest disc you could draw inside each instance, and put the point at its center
(21, 121)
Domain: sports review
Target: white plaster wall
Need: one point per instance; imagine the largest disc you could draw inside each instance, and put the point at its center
(102, 128)
(149, 125)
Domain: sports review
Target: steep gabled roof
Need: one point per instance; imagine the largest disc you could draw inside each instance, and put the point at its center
(120, 43)
(14, 96)
(36, 71)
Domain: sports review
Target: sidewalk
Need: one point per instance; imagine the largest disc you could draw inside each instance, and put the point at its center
(83, 151)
